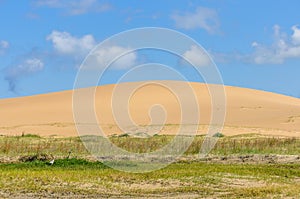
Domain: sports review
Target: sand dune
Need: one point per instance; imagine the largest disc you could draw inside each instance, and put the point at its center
(248, 111)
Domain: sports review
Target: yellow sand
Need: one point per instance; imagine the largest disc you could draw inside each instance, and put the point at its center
(248, 111)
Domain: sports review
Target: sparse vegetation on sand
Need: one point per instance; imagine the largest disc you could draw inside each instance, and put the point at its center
(242, 166)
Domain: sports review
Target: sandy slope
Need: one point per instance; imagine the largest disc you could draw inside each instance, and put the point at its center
(248, 111)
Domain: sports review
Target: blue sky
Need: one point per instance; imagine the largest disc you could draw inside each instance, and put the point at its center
(255, 44)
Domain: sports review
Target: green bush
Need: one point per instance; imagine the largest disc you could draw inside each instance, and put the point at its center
(218, 135)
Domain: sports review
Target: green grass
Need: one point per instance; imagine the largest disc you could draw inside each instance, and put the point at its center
(59, 163)
(29, 135)
(79, 177)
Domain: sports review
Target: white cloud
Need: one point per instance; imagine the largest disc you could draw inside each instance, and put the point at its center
(76, 7)
(31, 65)
(284, 47)
(75, 48)
(204, 18)
(66, 44)
(296, 35)
(197, 56)
(4, 45)
(104, 56)
(25, 68)
(254, 44)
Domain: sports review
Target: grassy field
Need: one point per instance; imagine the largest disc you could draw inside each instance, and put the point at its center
(78, 176)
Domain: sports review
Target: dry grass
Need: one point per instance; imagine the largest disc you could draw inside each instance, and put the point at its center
(244, 144)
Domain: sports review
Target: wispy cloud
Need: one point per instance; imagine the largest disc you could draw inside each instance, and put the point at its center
(203, 17)
(284, 47)
(133, 14)
(4, 45)
(76, 7)
(25, 68)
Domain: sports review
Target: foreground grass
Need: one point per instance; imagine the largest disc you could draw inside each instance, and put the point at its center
(76, 177)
